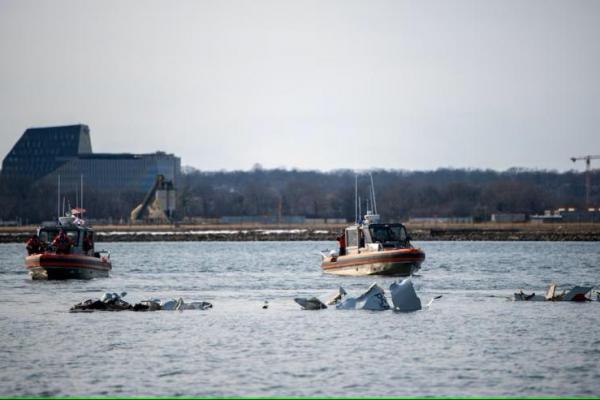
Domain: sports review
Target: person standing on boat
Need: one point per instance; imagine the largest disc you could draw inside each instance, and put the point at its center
(87, 243)
(62, 243)
(342, 242)
(33, 245)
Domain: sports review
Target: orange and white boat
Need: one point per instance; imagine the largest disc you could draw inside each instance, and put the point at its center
(78, 261)
(372, 248)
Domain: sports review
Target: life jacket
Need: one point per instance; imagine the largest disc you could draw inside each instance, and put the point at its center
(62, 242)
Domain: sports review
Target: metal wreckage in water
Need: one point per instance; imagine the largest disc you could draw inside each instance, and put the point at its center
(404, 298)
(577, 294)
(115, 302)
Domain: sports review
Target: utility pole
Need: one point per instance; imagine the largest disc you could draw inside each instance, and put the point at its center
(588, 178)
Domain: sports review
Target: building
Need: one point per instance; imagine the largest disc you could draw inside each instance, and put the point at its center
(40, 151)
(45, 153)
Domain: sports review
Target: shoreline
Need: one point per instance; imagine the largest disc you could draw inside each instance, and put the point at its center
(253, 232)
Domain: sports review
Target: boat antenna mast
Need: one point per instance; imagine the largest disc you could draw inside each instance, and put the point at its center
(356, 205)
(359, 210)
(58, 200)
(373, 195)
(81, 197)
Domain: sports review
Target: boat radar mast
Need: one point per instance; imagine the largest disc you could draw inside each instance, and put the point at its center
(372, 217)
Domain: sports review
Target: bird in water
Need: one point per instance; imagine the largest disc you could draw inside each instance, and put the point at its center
(265, 305)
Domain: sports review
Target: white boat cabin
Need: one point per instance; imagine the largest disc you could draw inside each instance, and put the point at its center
(81, 236)
(376, 237)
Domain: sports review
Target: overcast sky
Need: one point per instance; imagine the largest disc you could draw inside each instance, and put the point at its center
(310, 84)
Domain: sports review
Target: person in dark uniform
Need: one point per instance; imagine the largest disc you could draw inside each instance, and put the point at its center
(87, 243)
(33, 245)
(342, 243)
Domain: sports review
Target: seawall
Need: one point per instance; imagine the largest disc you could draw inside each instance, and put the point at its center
(470, 232)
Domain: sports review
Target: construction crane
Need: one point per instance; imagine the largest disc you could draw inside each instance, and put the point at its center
(588, 179)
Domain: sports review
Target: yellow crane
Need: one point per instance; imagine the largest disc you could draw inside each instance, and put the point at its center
(588, 178)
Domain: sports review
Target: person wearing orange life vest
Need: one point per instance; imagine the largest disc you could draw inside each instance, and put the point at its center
(62, 243)
(33, 245)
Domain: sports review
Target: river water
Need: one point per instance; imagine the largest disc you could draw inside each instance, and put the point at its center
(472, 341)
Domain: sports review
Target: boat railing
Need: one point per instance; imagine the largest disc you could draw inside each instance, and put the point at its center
(103, 255)
(328, 253)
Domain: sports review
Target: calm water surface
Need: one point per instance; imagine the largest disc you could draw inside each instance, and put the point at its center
(473, 341)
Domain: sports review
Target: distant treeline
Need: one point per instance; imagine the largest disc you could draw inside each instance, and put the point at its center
(314, 194)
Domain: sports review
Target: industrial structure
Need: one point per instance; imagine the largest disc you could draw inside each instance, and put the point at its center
(158, 204)
(43, 154)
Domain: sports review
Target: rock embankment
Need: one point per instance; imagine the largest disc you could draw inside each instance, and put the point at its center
(472, 233)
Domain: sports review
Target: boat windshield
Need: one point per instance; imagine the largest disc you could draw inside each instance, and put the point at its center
(48, 235)
(388, 234)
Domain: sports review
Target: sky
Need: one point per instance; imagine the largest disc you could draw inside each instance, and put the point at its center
(324, 84)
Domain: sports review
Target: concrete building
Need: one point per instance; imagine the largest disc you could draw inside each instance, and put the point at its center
(45, 153)
(40, 151)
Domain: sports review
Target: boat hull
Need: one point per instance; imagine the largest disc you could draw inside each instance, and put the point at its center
(400, 262)
(53, 266)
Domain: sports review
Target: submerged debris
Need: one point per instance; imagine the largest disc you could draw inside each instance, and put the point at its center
(114, 302)
(578, 294)
(404, 298)
(310, 304)
(108, 302)
(314, 303)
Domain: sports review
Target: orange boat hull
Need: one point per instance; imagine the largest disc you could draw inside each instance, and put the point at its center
(397, 262)
(66, 266)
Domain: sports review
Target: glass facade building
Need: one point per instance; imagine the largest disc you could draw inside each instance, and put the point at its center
(46, 153)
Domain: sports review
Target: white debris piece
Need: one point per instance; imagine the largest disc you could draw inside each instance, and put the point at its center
(349, 303)
(310, 304)
(373, 299)
(404, 296)
(106, 297)
(168, 304)
(336, 297)
(194, 305)
(109, 297)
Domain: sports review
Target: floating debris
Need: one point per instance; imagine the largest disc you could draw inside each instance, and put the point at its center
(108, 302)
(147, 305)
(404, 296)
(373, 299)
(578, 294)
(310, 304)
(521, 296)
(336, 297)
(195, 305)
(114, 302)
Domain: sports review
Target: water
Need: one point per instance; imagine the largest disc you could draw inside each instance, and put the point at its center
(473, 341)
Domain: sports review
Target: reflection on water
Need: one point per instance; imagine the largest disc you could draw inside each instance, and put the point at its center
(471, 342)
